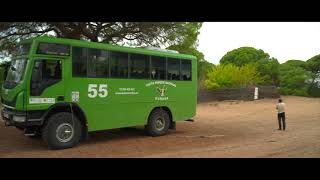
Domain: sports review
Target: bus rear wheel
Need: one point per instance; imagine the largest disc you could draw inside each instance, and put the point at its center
(158, 123)
(62, 131)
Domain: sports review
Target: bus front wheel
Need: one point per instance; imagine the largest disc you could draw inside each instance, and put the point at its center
(158, 123)
(62, 131)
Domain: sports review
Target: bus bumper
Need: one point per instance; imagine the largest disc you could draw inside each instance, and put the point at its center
(18, 118)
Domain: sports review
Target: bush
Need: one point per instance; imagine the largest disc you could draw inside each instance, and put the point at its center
(314, 92)
(229, 76)
(300, 92)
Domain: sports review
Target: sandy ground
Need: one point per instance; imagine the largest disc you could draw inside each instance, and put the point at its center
(221, 129)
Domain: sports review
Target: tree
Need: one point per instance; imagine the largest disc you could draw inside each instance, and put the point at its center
(190, 43)
(269, 70)
(296, 63)
(313, 65)
(204, 67)
(294, 78)
(189, 46)
(231, 76)
(132, 33)
(243, 55)
(266, 66)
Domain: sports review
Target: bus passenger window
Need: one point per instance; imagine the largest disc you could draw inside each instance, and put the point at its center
(118, 65)
(79, 62)
(158, 67)
(186, 70)
(139, 66)
(97, 63)
(173, 69)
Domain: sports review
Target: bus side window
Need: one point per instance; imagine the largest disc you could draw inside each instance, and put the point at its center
(98, 63)
(79, 62)
(139, 66)
(158, 68)
(118, 65)
(173, 69)
(186, 70)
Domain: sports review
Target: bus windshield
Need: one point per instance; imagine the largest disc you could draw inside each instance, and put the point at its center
(15, 72)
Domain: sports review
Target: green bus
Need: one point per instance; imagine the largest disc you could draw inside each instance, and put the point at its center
(62, 89)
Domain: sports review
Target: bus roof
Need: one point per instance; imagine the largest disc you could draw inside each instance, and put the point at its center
(88, 44)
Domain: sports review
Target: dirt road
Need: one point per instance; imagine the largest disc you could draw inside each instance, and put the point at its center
(221, 129)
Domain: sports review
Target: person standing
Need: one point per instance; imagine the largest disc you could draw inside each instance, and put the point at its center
(281, 115)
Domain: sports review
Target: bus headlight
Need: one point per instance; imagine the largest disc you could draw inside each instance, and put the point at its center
(19, 118)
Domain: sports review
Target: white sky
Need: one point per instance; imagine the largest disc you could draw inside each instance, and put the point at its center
(282, 40)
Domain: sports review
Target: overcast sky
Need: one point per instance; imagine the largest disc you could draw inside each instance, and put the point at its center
(282, 40)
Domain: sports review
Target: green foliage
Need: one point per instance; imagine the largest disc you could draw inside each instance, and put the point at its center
(243, 55)
(300, 78)
(190, 42)
(294, 78)
(204, 67)
(295, 63)
(230, 76)
(269, 70)
(314, 91)
(313, 65)
(266, 66)
(222, 76)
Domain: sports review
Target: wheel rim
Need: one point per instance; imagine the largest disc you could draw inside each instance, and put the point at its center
(160, 123)
(64, 132)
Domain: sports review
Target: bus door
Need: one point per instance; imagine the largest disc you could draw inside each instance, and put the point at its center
(47, 84)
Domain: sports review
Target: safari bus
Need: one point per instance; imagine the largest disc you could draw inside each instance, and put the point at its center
(62, 89)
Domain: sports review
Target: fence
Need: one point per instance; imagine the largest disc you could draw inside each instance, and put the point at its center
(245, 94)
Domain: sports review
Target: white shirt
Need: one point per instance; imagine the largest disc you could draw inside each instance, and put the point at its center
(280, 107)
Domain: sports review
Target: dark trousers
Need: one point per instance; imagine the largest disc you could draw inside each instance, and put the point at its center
(282, 120)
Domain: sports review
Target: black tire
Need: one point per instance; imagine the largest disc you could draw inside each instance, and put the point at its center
(153, 128)
(53, 130)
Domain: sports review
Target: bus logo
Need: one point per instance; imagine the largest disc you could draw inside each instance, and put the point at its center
(162, 91)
